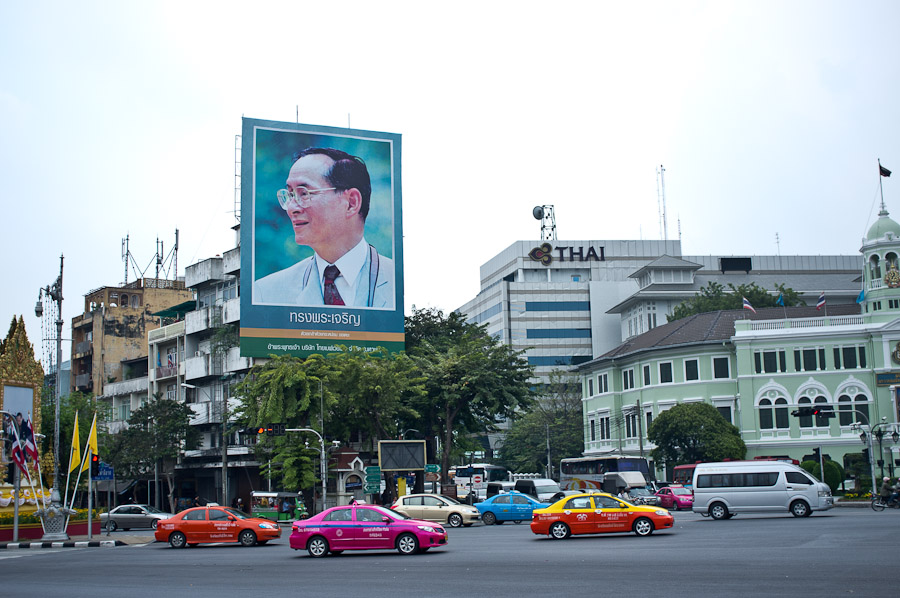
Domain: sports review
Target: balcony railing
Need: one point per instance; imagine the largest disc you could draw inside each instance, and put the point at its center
(82, 380)
(166, 372)
(83, 347)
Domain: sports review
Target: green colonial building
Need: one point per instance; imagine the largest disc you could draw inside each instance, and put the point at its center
(757, 368)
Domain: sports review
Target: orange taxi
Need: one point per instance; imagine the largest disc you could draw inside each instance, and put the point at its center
(215, 524)
(598, 513)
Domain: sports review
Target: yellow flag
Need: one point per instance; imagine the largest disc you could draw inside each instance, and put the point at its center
(75, 459)
(91, 447)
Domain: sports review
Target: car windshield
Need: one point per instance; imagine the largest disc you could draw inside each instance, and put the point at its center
(452, 501)
(548, 489)
(153, 510)
(391, 512)
(681, 491)
(639, 492)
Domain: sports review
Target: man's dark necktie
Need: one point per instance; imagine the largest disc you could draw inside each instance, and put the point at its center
(330, 292)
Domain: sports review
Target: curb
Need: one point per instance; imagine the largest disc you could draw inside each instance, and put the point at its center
(70, 544)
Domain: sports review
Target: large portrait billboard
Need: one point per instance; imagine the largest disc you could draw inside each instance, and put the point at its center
(321, 239)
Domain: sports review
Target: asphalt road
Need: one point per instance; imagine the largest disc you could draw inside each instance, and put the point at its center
(842, 552)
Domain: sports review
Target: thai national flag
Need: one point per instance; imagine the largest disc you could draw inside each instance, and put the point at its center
(821, 302)
(747, 305)
(28, 438)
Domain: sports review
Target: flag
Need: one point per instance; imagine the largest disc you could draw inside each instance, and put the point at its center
(30, 446)
(75, 458)
(821, 302)
(780, 300)
(884, 171)
(91, 447)
(17, 454)
(862, 296)
(747, 305)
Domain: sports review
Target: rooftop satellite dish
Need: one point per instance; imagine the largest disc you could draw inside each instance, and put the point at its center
(538, 212)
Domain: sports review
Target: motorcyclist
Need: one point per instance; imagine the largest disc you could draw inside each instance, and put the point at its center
(886, 490)
(895, 496)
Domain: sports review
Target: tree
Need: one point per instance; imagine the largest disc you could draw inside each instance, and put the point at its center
(693, 432)
(557, 417)
(473, 381)
(834, 473)
(714, 296)
(156, 436)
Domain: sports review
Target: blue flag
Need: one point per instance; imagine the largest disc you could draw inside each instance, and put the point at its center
(780, 300)
(862, 296)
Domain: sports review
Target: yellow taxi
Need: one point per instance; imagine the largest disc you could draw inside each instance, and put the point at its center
(597, 513)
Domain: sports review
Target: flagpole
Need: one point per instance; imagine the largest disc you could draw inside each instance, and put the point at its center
(880, 188)
(71, 450)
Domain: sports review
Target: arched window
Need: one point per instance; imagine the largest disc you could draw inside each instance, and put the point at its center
(861, 403)
(805, 420)
(874, 268)
(821, 421)
(135, 301)
(890, 261)
(124, 302)
(781, 414)
(765, 415)
(845, 410)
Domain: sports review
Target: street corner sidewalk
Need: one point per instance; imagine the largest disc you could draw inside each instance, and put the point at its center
(97, 541)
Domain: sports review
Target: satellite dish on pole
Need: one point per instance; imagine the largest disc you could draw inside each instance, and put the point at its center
(538, 212)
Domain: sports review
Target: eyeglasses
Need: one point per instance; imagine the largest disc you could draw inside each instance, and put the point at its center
(301, 196)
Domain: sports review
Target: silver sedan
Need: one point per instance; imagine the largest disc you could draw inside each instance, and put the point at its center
(132, 516)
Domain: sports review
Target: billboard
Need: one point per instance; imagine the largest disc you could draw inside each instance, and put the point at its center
(321, 240)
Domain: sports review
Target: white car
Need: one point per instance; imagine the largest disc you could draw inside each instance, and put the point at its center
(437, 508)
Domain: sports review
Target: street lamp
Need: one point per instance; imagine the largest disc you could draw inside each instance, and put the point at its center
(322, 465)
(53, 517)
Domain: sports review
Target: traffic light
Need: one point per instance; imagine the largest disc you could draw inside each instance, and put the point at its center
(823, 411)
(270, 429)
(95, 465)
(279, 429)
(865, 453)
(803, 412)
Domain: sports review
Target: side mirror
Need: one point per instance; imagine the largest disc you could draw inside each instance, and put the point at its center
(385, 519)
(231, 518)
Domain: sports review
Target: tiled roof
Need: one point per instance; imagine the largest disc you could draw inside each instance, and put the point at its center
(712, 327)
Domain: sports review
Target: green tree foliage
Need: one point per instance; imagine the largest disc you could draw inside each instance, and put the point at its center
(84, 405)
(715, 296)
(156, 435)
(557, 416)
(693, 432)
(473, 381)
(834, 473)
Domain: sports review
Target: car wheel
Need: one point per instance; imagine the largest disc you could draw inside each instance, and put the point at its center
(718, 511)
(559, 531)
(111, 526)
(800, 509)
(154, 523)
(247, 538)
(317, 546)
(489, 518)
(407, 544)
(177, 540)
(643, 527)
(455, 520)
(674, 506)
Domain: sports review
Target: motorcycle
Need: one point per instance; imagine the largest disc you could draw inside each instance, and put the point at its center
(880, 504)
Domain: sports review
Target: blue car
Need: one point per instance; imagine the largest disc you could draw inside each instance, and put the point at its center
(512, 506)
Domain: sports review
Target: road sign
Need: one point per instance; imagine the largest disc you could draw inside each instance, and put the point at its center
(477, 479)
(431, 476)
(106, 472)
(372, 488)
(432, 468)
(373, 479)
(373, 470)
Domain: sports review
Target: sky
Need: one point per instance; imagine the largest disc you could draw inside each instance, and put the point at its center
(120, 119)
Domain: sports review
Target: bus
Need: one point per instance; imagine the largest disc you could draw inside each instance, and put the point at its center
(684, 474)
(583, 473)
(475, 477)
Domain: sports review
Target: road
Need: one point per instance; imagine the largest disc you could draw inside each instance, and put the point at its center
(842, 552)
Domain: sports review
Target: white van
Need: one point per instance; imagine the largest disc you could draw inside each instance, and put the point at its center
(722, 490)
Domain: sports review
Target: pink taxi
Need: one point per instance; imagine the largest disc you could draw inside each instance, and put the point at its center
(360, 526)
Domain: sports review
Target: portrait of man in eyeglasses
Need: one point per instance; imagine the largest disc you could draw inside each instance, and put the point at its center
(326, 198)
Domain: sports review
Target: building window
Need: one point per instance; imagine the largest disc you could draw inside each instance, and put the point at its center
(766, 422)
(557, 306)
(805, 420)
(853, 410)
(602, 384)
(590, 386)
(593, 430)
(649, 419)
(124, 412)
(770, 362)
(576, 278)
(665, 373)
(720, 368)
(894, 303)
(631, 424)
(725, 411)
(604, 428)
(646, 375)
(691, 369)
(558, 333)
(781, 414)
(850, 357)
(809, 360)
(627, 379)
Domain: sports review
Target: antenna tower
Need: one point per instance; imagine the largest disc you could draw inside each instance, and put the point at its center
(661, 201)
(548, 222)
(164, 264)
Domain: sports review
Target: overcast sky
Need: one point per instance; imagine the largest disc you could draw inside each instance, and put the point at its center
(119, 118)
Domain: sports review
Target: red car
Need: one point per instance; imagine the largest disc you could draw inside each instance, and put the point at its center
(598, 514)
(675, 498)
(215, 524)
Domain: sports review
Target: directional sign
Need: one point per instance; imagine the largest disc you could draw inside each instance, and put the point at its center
(373, 470)
(106, 472)
(372, 488)
(432, 468)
